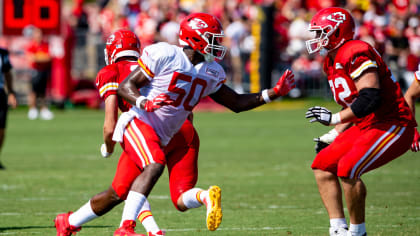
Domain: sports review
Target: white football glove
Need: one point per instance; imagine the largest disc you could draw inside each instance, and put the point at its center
(325, 140)
(323, 116)
(328, 137)
(105, 152)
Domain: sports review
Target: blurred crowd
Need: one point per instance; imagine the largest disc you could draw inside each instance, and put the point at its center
(391, 26)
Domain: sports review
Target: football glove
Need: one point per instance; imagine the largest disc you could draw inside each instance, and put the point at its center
(325, 140)
(320, 114)
(285, 83)
(415, 145)
(320, 145)
(104, 151)
(158, 102)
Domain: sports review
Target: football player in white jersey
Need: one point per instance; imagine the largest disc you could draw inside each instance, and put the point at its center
(164, 89)
(121, 53)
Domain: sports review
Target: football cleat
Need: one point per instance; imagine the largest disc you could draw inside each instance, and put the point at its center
(338, 231)
(158, 233)
(127, 229)
(63, 227)
(214, 208)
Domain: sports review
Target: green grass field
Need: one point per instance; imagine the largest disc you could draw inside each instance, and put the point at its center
(261, 160)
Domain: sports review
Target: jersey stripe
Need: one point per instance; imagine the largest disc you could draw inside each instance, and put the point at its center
(363, 67)
(107, 87)
(146, 69)
(383, 143)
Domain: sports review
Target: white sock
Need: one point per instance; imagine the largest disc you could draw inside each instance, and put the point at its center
(338, 223)
(358, 228)
(83, 215)
(147, 219)
(133, 204)
(194, 198)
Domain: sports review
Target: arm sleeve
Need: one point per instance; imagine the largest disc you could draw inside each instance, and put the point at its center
(368, 101)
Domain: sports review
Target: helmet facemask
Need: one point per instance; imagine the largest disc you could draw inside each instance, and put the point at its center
(108, 58)
(320, 40)
(213, 49)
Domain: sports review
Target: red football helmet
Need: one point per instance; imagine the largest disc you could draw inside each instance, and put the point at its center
(204, 33)
(333, 26)
(120, 44)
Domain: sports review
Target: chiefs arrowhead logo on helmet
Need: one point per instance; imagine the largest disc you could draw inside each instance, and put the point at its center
(196, 24)
(337, 17)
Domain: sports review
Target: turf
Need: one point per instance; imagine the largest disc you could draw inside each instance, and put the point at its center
(261, 160)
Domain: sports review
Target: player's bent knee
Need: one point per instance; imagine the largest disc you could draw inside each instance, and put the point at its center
(179, 204)
(103, 202)
(113, 196)
(323, 174)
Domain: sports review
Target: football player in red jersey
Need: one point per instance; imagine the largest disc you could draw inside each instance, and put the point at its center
(372, 100)
(164, 89)
(413, 92)
(121, 53)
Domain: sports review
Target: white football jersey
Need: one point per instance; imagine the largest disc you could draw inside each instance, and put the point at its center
(171, 72)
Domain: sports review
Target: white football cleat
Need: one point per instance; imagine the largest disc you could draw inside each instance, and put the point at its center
(214, 208)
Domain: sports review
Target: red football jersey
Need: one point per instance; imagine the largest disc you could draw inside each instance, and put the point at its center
(110, 77)
(39, 50)
(352, 59)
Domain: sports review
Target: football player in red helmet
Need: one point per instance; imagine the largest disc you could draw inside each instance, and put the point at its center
(332, 27)
(373, 110)
(121, 54)
(175, 79)
(122, 43)
(203, 33)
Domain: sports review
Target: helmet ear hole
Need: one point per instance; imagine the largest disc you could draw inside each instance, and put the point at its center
(337, 33)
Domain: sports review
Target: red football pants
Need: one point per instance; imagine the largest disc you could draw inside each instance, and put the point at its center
(181, 156)
(356, 151)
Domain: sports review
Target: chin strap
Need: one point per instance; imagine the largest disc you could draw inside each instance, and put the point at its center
(323, 52)
(207, 57)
